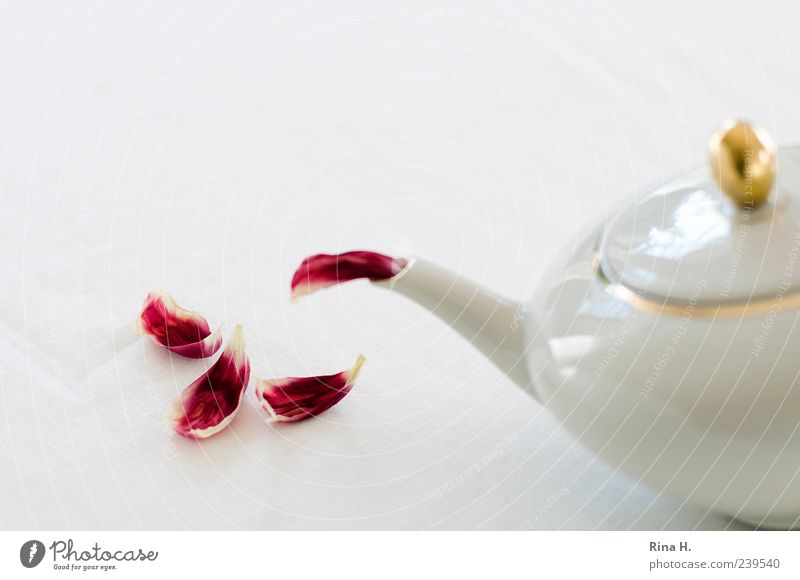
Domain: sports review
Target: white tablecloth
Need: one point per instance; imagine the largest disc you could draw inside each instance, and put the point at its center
(205, 148)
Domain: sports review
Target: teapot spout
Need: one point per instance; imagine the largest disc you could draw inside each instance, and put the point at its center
(491, 323)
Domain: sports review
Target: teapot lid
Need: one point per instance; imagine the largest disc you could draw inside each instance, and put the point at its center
(729, 236)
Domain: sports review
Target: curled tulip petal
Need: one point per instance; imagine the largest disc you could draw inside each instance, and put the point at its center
(210, 403)
(323, 270)
(182, 331)
(299, 398)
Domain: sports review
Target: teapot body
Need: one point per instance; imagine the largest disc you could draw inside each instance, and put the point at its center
(667, 339)
(704, 405)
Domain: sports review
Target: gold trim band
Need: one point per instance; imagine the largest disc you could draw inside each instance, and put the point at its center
(755, 307)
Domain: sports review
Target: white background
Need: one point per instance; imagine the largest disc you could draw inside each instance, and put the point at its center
(206, 148)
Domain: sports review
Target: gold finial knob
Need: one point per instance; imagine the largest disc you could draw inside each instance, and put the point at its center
(743, 162)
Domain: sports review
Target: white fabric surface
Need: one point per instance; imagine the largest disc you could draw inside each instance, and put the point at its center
(205, 148)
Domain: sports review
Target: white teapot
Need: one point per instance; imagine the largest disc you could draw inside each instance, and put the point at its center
(668, 343)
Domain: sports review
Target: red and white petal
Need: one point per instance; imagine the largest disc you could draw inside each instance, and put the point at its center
(298, 398)
(203, 349)
(323, 270)
(180, 330)
(211, 402)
